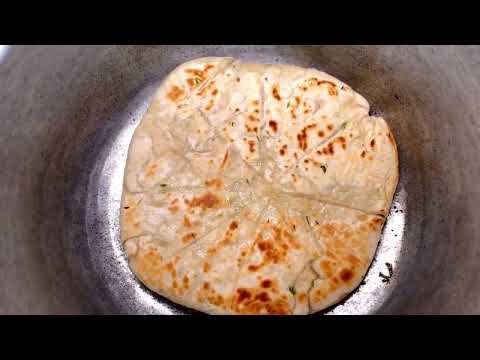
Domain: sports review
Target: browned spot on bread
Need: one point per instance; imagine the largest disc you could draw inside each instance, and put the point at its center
(207, 201)
(203, 91)
(185, 281)
(283, 150)
(253, 268)
(332, 88)
(214, 92)
(208, 67)
(275, 93)
(256, 102)
(274, 250)
(243, 294)
(353, 260)
(263, 296)
(346, 275)
(329, 229)
(175, 93)
(370, 157)
(262, 245)
(273, 125)
(206, 285)
(321, 133)
(151, 169)
(214, 183)
(199, 76)
(302, 137)
(238, 79)
(266, 283)
(173, 209)
(233, 225)
(302, 297)
(258, 301)
(346, 254)
(326, 267)
(209, 105)
(195, 72)
(330, 127)
(291, 240)
(372, 143)
(328, 150)
(375, 223)
(216, 300)
(363, 154)
(188, 237)
(251, 146)
(343, 142)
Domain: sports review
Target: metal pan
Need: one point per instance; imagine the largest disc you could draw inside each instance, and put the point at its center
(67, 117)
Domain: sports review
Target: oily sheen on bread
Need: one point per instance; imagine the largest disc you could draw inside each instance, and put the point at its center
(256, 189)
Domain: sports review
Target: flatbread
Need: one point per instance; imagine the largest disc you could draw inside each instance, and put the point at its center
(256, 189)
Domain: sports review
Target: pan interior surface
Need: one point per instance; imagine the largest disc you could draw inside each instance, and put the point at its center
(67, 139)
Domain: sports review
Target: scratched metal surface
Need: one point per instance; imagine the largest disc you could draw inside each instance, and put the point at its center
(68, 114)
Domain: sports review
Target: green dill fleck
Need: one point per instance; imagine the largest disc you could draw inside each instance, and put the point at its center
(292, 290)
(197, 81)
(308, 220)
(344, 125)
(324, 168)
(288, 104)
(248, 182)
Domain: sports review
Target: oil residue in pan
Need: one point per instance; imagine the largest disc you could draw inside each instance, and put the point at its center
(117, 289)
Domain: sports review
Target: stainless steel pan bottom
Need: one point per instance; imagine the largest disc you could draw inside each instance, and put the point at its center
(69, 113)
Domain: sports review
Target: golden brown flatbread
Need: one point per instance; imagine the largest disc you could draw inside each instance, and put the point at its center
(256, 189)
